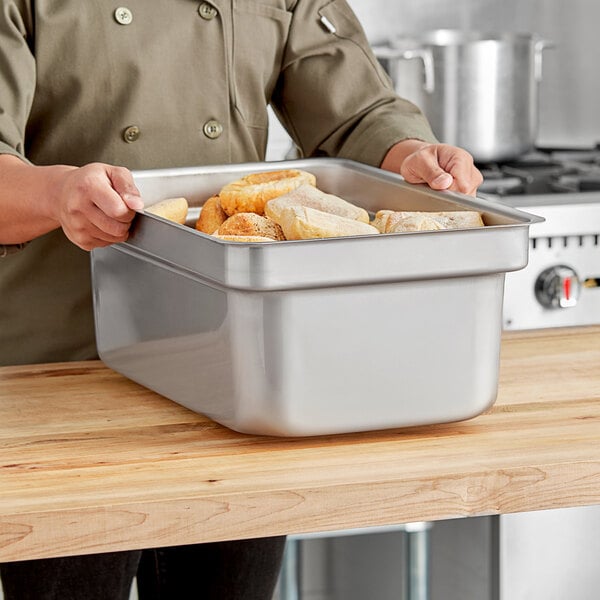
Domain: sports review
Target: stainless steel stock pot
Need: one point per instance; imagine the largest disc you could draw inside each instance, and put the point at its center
(479, 91)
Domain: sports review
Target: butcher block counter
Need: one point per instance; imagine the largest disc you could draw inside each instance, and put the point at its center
(91, 462)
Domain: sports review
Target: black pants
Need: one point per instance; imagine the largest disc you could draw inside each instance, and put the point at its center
(240, 570)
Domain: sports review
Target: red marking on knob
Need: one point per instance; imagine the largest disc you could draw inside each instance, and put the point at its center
(567, 288)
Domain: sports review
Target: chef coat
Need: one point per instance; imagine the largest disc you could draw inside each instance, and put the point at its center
(170, 84)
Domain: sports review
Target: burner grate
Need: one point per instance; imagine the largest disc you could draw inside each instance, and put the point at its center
(544, 172)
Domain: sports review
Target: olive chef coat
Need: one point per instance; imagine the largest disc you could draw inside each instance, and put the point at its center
(169, 84)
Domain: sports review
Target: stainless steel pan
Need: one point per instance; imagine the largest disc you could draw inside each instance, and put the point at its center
(311, 336)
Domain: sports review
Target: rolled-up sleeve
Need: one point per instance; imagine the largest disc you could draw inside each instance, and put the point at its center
(333, 96)
(17, 76)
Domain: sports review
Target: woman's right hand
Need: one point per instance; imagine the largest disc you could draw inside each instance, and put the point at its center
(95, 204)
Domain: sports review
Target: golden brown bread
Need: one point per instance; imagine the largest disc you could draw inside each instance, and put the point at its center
(250, 193)
(251, 224)
(174, 209)
(389, 221)
(308, 195)
(304, 223)
(212, 216)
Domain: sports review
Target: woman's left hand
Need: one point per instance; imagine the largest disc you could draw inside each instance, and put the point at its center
(440, 166)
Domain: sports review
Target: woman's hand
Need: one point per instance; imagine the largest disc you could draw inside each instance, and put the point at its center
(440, 166)
(95, 204)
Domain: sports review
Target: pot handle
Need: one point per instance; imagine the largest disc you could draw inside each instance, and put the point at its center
(538, 48)
(388, 53)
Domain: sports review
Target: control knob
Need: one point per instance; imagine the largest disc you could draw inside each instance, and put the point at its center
(558, 287)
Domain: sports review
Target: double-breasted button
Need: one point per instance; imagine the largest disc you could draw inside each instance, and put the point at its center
(212, 129)
(123, 15)
(131, 133)
(207, 11)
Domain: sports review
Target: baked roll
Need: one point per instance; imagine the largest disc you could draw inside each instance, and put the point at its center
(250, 193)
(173, 209)
(304, 223)
(212, 216)
(389, 221)
(308, 195)
(251, 224)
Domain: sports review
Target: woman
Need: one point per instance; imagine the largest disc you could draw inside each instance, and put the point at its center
(89, 92)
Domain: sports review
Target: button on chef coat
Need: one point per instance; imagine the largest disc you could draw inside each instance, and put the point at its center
(131, 134)
(207, 11)
(123, 15)
(67, 95)
(212, 129)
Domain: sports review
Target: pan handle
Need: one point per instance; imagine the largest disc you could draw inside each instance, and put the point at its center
(538, 48)
(424, 54)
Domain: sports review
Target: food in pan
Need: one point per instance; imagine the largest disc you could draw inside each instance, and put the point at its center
(174, 209)
(305, 223)
(389, 221)
(251, 224)
(312, 197)
(250, 193)
(212, 216)
(288, 205)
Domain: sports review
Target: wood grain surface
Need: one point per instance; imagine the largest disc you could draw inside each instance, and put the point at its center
(92, 462)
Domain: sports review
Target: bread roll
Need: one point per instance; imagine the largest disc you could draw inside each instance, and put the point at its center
(212, 216)
(174, 209)
(308, 195)
(251, 224)
(389, 221)
(303, 223)
(250, 193)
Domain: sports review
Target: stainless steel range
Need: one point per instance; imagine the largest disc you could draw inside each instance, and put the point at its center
(561, 284)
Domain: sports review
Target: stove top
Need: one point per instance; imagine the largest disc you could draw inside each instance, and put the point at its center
(543, 172)
(561, 284)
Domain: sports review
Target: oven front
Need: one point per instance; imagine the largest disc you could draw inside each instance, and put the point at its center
(560, 286)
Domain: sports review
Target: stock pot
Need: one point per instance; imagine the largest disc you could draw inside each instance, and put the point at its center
(479, 91)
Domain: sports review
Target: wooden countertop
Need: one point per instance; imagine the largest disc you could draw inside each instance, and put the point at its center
(91, 462)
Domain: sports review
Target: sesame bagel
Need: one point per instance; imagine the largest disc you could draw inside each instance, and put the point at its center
(250, 193)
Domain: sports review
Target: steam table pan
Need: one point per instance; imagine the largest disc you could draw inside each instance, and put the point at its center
(310, 337)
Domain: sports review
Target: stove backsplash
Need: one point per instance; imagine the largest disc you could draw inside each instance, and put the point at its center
(570, 89)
